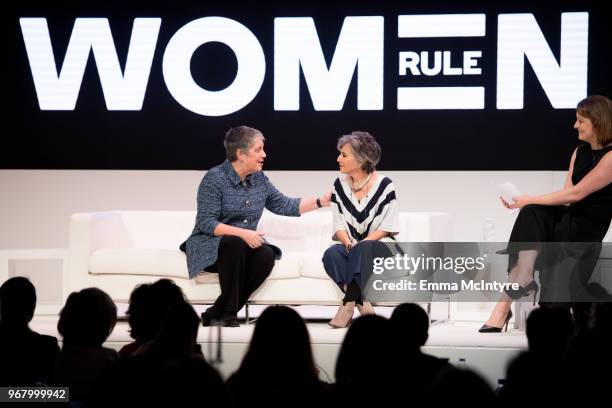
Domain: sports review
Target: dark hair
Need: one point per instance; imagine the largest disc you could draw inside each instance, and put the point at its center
(17, 300)
(411, 324)
(286, 351)
(178, 333)
(149, 304)
(366, 149)
(138, 311)
(87, 318)
(598, 109)
(549, 330)
(353, 358)
(240, 138)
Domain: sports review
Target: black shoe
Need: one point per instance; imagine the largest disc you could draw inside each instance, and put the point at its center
(232, 322)
(226, 322)
(523, 291)
(492, 329)
(206, 319)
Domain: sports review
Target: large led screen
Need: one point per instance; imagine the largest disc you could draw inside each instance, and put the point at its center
(441, 85)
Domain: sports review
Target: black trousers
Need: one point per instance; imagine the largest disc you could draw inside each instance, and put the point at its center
(566, 269)
(241, 270)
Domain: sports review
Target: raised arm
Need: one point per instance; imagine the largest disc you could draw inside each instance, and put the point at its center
(309, 204)
(280, 204)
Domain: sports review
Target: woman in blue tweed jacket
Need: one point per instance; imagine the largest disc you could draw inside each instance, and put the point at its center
(231, 199)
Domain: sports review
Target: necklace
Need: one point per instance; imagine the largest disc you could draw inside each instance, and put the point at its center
(362, 184)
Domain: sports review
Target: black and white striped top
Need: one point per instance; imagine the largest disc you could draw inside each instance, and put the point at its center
(377, 210)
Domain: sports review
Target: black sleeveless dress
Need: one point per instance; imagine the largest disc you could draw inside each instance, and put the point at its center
(585, 221)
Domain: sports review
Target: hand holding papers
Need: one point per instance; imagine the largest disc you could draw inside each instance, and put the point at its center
(506, 192)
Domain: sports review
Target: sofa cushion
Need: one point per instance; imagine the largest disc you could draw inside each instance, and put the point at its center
(141, 229)
(313, 267)
(138, 261)
(169, 263)
(288, 267)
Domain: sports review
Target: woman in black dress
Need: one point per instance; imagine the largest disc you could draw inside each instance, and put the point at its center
(580, 212)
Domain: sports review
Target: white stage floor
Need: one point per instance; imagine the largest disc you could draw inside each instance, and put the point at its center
(488, 353)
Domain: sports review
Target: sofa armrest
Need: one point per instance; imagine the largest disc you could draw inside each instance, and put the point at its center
(79, 249)
(89, 232)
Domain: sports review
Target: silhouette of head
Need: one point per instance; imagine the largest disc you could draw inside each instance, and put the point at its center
(358, 352)
(88, 318)
(410, 324)
(179, 330)
(549, 330)
(138, 311)
(149, 304)
(17, 301)
(280, 345)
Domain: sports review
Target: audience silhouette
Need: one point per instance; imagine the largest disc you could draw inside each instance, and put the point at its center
(26, 357)
(380, 361)
(417, 370)
(365, 368)
(149, 304)
(588, 356)
(170, 370)
(280, 360)
(85, 322)
(541, 372)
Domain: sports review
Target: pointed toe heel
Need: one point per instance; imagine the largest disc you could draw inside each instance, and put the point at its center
(493, 329)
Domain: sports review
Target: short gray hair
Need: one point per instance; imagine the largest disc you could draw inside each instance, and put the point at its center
(241, 137)
(365, 147)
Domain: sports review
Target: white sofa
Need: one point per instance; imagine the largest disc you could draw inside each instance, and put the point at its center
(117, 250)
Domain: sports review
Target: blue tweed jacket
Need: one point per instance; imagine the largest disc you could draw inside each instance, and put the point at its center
(223, 198)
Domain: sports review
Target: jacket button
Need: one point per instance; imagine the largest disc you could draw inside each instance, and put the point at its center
(245, 221)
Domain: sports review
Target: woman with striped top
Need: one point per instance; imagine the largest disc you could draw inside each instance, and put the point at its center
(365, 213)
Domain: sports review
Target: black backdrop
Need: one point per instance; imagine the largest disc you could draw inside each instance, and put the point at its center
(164, 135)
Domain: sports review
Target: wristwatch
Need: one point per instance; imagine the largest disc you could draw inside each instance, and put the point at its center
(319, 202)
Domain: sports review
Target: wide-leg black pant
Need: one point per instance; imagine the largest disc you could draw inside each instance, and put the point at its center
(241, 270)
(579, 238)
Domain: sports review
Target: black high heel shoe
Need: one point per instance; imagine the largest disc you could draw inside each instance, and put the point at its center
(523, 291)
(492, 329)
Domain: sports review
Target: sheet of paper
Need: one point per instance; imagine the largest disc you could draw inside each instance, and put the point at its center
(508, 190)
